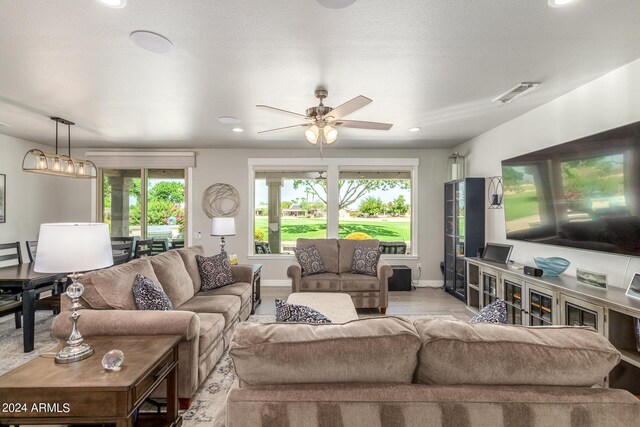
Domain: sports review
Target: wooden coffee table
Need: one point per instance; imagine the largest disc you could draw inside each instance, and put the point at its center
(43, 392)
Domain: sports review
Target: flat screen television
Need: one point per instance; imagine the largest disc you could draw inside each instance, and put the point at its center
(582, 194)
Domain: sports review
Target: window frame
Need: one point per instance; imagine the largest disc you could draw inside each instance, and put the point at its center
(333, 166)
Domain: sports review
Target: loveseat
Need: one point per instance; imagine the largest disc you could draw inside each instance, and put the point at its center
(205, 319)
(388, 371)
(337, 256)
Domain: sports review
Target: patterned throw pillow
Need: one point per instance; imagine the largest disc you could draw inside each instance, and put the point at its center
(310, 260)
(215, 271)
(496, 312)
(149, 296)
(294, 313)
(365, 260)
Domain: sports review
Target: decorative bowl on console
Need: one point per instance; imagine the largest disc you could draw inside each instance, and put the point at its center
(553, 266)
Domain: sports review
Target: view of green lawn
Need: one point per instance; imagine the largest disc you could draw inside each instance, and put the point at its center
(378, 228)
(521, 205)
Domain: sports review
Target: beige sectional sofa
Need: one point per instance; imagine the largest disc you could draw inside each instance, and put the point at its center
(205, 320)
(337, 257)
(389, 371)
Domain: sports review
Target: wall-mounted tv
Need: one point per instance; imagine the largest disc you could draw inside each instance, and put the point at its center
(581, 194)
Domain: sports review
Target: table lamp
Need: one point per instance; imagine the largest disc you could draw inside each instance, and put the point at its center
(73, 248)
(223, 227)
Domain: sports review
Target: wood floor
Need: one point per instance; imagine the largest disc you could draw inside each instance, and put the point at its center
(419, 301)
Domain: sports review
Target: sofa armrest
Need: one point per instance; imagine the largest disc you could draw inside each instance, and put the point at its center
(295, 273)
(384, 272)
(242, 273)
(129, 322)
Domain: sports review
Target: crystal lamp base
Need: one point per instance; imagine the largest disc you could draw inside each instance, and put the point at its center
(72, 354)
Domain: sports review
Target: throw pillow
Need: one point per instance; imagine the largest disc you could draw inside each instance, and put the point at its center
(149, 296)
(496, 312)
(365, 260)
(215, 271)
(294, 313)
(310, 260)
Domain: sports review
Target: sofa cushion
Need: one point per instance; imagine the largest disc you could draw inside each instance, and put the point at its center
(374, 350)
(227, 305)
(328, 249)
(347, 247)
(310, 260)
(215, 271)
(296, 313)
(455, 352)
(320, 282)
(189, 259)
(496, 312)
(115, 284)
(365, 260)
(240, 289)
(211, 330)
(173, 276)
(358, 282)
(148, 295)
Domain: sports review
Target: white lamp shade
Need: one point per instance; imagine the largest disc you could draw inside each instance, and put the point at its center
(312, 133)
(73, 247)
(223, 227)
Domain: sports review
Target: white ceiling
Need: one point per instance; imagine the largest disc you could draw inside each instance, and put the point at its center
(434, 64)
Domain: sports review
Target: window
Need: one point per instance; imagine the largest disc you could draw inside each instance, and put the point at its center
(376, 205)
(145, 203)
(288, 205)
(320, 198)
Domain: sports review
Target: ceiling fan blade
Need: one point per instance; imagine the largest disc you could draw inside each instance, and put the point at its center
(302, 125)
(363, 125)
(280, 110)
(349, 107)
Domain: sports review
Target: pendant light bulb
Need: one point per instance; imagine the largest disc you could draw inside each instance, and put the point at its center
(69, 168)
(312, 134)
(81, 169)
(330, 134)
(56, 165)
(42, 162)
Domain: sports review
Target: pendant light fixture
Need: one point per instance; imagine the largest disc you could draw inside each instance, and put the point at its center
(38, 161)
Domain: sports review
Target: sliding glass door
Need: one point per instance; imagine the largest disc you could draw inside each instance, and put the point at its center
(144, 203)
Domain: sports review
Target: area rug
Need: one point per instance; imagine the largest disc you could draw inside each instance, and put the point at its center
(207, 405)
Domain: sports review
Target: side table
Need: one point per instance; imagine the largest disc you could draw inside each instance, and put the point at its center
(255, 284)
(401, 279)
(43, 392)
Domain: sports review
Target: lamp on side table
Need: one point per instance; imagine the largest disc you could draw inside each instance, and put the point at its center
(73, 247)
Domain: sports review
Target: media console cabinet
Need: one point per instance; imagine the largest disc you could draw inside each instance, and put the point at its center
(541, 301)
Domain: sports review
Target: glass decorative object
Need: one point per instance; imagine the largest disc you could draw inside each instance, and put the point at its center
(113, 360)
(552, 267)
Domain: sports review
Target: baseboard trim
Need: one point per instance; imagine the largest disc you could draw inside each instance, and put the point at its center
(276, 282)
(429, 284)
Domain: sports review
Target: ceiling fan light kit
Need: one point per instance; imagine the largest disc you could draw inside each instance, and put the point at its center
(323, 120)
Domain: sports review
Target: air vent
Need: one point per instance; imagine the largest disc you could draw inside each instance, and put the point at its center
(515, 92)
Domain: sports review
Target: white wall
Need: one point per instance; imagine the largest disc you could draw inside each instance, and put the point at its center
(610, 101)
(31, 199)
(230, 166)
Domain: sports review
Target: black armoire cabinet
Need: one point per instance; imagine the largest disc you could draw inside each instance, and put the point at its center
(464, 208)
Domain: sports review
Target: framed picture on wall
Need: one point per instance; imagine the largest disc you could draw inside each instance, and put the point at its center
(3, 197)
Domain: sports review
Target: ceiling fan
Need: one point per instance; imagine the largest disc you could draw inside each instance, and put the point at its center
(322, 120)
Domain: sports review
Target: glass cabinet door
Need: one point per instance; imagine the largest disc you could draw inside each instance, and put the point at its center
(460, 210)
(540, 308)
(513, 300)
(489, 289)
(581, 313)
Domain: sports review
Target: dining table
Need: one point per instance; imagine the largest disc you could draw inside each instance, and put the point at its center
(21, 279)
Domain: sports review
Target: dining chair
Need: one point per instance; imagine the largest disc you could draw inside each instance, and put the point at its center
(10, 303)
(176, 244)
(143, 248)
(51, 302)
(159, 246)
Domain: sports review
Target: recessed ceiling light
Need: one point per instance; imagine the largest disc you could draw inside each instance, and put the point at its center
(116, 4)
(560, 3)
(416, 129)
(336, 4)
(229, 120)
(238, 130)
(152, 42)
